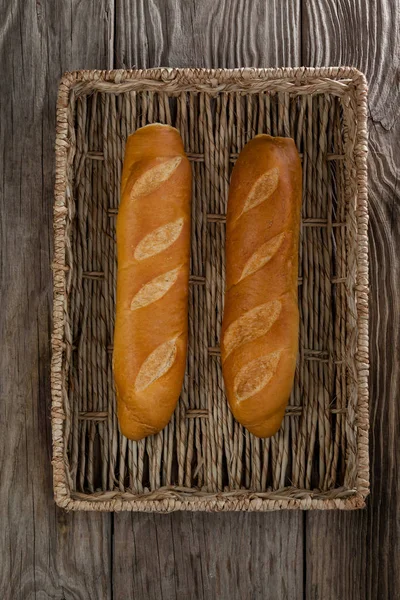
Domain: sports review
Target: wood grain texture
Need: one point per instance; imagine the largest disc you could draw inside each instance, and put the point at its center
(228, 33)
(362, 558)
(205, 556)
(45, 553)
(335, 556)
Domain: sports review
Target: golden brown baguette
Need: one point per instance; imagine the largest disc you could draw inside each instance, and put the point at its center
(153, 244)
(261, 321)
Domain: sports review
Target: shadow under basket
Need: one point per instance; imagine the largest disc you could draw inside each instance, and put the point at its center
(204, 460)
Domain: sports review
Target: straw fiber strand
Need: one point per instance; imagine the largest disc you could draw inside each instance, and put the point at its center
(204, 460)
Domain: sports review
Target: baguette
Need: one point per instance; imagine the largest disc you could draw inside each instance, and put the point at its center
(261, 319)
(153, 248)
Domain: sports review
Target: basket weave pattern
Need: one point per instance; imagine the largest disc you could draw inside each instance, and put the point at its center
(204, 460)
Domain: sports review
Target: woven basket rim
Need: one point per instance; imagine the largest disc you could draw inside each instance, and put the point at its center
(241, 74)
(212, 81)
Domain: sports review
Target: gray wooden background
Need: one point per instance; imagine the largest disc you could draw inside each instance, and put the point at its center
(48, 554)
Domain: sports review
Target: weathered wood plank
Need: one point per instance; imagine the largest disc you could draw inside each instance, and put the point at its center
(335, 556)
(383, 522)
(45, 553)
(201, 556)
(228, 33)
(235, 556)
(358, 555)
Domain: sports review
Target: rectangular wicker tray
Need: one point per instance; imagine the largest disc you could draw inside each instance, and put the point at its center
(204, 460)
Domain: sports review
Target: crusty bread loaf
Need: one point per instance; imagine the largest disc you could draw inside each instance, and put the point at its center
(260, 325)
(153, 244)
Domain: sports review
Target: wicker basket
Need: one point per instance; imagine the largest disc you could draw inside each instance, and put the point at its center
(204, 460)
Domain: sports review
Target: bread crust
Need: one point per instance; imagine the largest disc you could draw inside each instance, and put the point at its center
(262, 237)
(153, 247)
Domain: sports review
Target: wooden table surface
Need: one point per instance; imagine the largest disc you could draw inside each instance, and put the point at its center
(48, 554)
